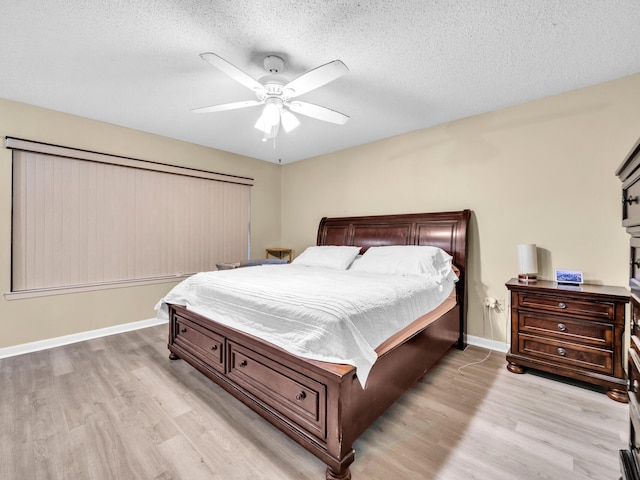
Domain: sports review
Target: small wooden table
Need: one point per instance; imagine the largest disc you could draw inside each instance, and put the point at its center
(279, 252)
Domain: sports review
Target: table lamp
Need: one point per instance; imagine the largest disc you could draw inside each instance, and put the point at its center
(527, 263)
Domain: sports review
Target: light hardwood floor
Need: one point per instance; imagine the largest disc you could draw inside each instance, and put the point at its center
(117, 408)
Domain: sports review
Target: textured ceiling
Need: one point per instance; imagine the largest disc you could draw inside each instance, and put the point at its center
(413, 63)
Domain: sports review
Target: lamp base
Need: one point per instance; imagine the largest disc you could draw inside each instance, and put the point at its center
(527, 278)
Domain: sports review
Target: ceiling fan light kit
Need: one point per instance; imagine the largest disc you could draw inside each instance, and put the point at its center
(289, 120)
(275, 93)
(271, 111)
(269, 121)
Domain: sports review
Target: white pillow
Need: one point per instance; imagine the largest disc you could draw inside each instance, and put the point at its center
(328, 256)
(406, 260)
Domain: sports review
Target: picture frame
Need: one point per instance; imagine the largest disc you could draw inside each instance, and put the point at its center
(570, 277)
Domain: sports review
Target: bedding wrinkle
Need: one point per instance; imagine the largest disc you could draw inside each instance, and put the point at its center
(337, 316)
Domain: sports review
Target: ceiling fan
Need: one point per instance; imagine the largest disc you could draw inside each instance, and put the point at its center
(277, 94)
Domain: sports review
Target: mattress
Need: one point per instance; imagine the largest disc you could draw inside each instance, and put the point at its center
(337, 316)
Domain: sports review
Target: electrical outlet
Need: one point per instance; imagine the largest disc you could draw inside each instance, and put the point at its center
(491, 302)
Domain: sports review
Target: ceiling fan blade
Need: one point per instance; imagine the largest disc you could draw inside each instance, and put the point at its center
(318, 112)
(315, 78)
(227, 106)
(232, 71)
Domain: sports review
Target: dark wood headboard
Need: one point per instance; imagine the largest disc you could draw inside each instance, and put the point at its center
(447, 230)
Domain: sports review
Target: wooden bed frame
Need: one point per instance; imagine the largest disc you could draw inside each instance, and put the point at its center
(322, 405)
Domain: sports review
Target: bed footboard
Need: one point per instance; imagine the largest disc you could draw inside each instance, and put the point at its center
(322, 406)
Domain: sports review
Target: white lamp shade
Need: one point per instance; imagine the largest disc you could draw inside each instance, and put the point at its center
(289, 120)
(271, 114)
(527, 258)
(260, 123)
(269, 131)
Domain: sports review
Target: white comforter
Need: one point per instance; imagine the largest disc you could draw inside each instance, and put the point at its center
(337, 316)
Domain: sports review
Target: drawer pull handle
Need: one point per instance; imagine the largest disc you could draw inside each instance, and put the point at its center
(242, 364)
(184, 330)
(301, 396)
(629, 200)
(214, 347)
(562, 305)
(562, 327)
(561, 351)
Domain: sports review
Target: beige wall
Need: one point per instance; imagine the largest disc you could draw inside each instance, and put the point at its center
(542, 172)
(28, 320)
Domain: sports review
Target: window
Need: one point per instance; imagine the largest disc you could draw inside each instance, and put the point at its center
(89, 220)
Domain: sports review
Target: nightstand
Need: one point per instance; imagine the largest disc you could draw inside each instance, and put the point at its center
(279, 252)
(573, 331)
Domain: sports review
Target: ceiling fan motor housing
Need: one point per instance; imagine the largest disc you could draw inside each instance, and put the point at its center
(273, 64)
(273, 87)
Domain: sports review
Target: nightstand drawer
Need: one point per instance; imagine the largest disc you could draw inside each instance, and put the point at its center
(567, 306)
(582, 357)
(567, 329)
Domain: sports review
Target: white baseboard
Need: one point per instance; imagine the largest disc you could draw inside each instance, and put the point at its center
(127, 327)
(486, 343)
(77, 337)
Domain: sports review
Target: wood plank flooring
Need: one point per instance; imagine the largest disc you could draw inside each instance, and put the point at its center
(117, 408)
